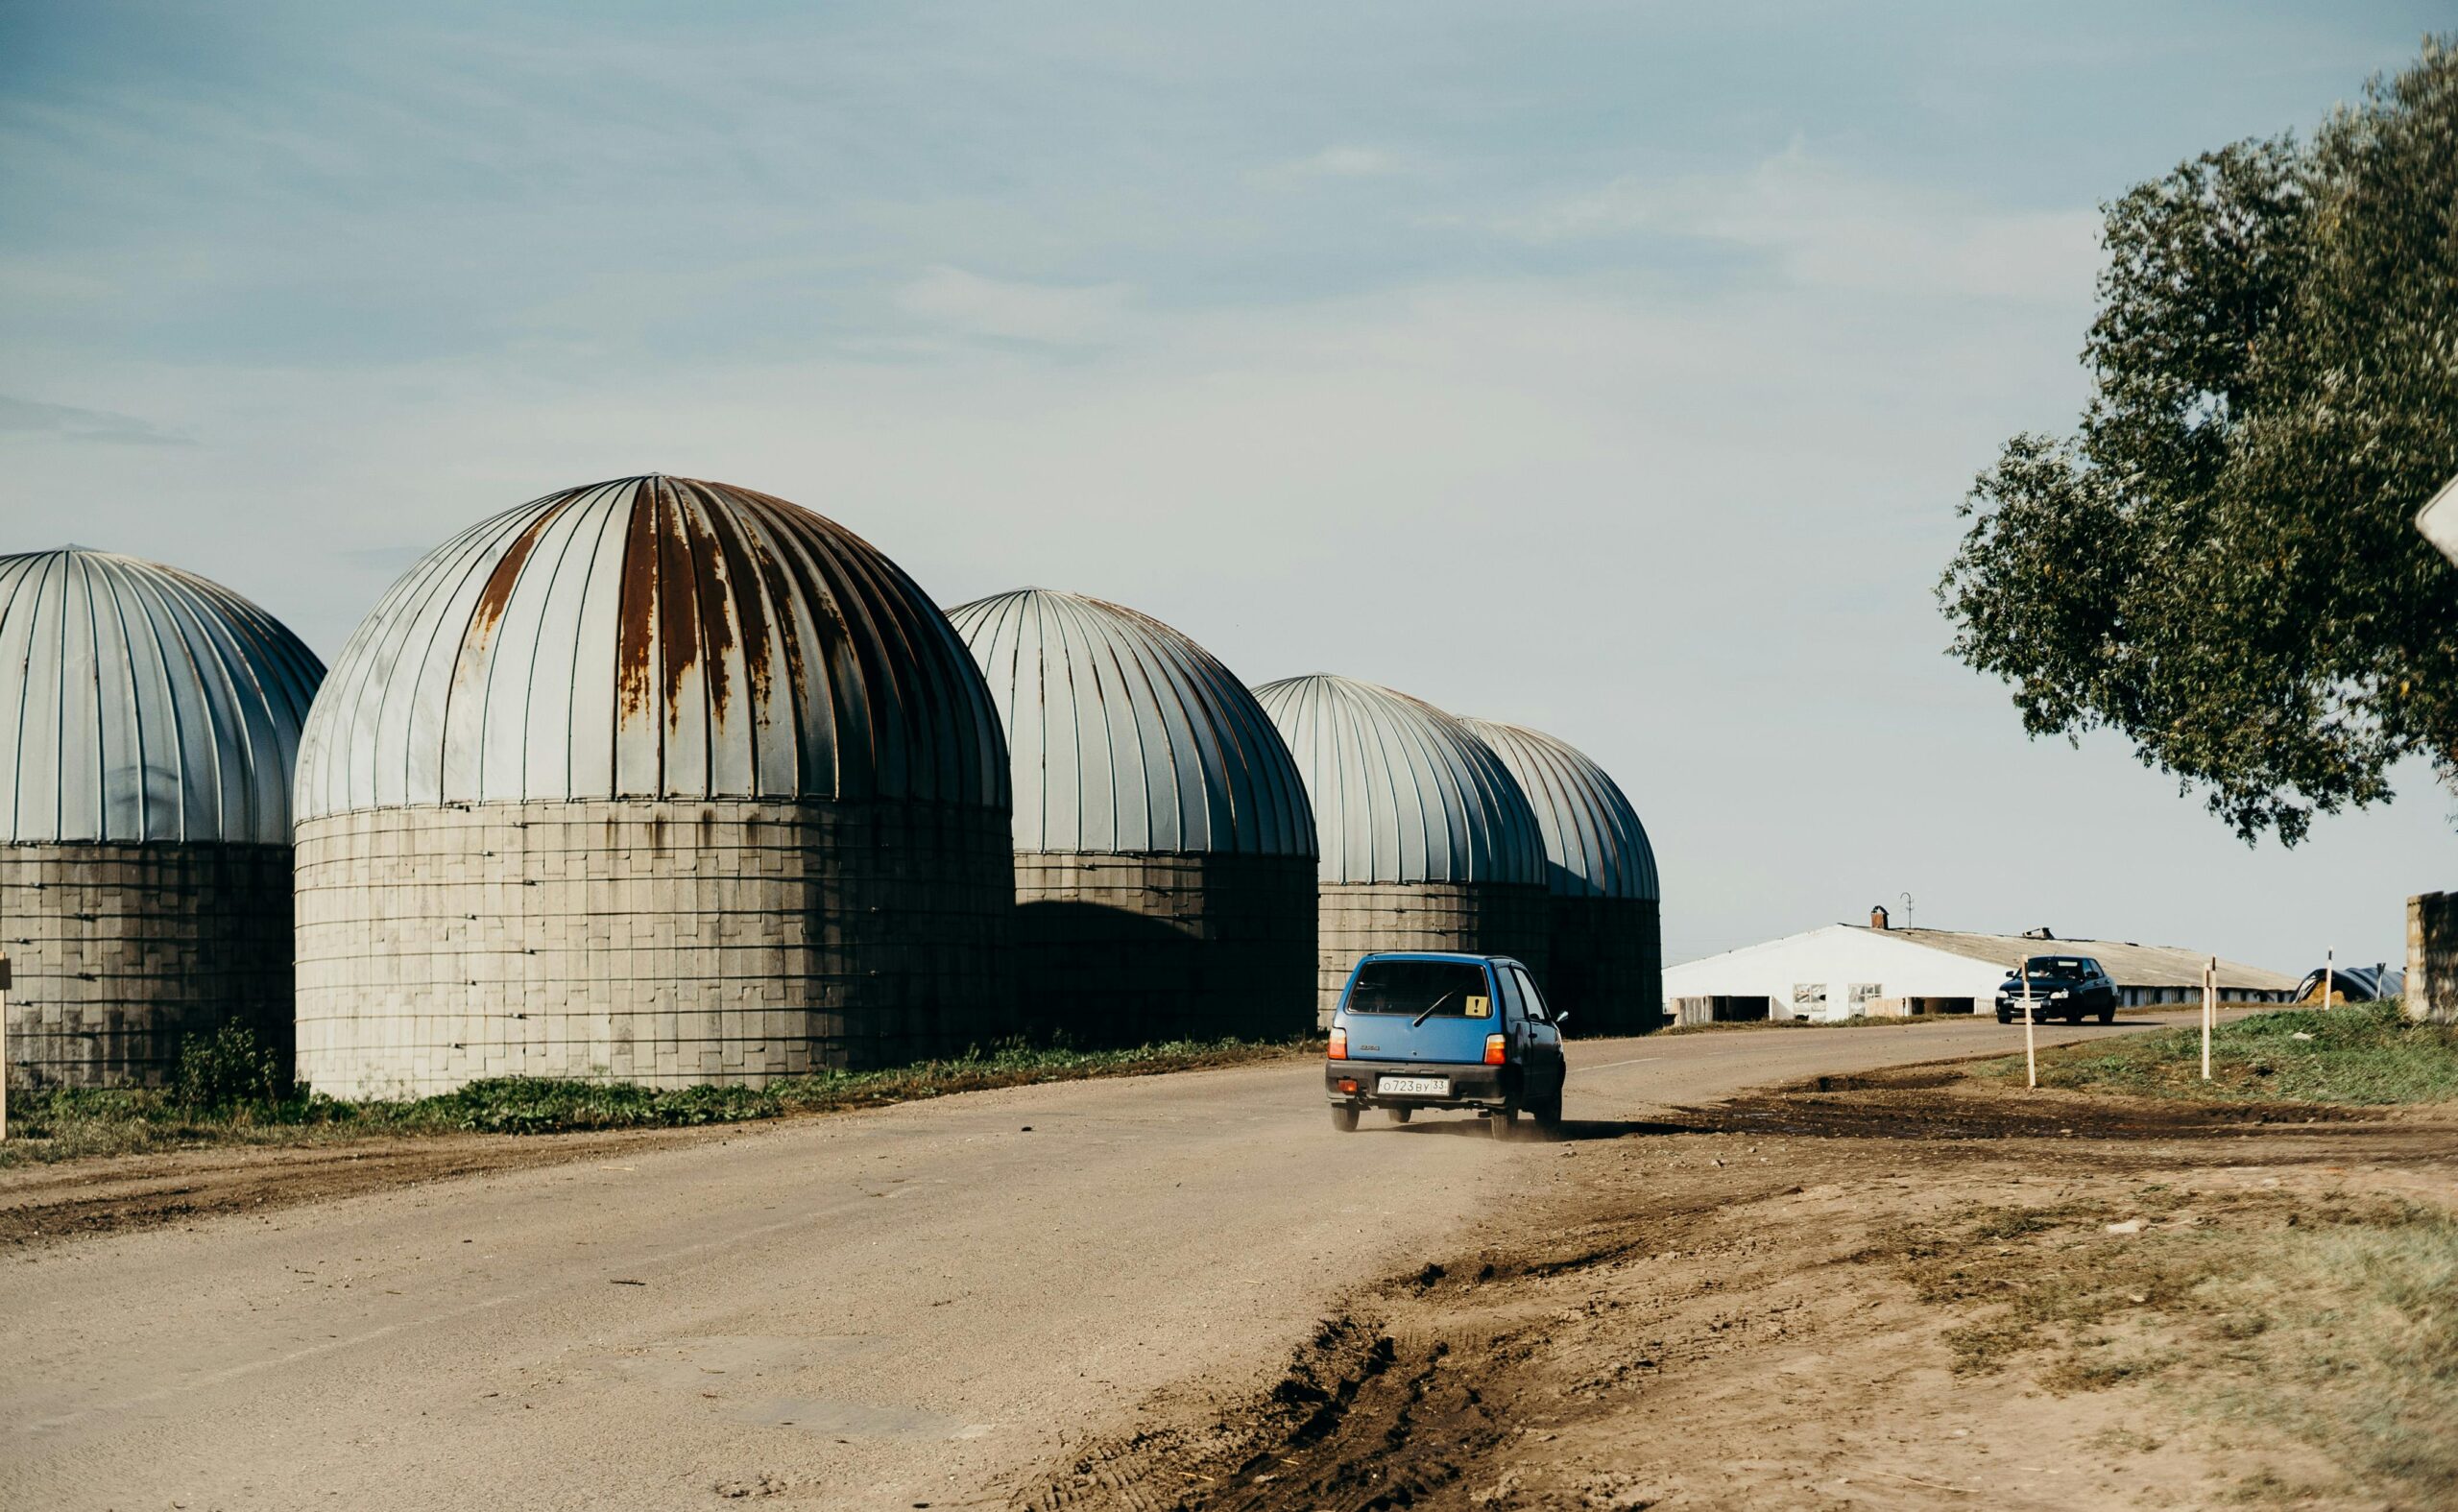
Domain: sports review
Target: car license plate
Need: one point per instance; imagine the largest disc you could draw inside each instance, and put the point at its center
(1414, 1085)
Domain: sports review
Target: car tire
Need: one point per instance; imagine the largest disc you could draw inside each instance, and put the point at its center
(1503, 1122)
(2107, 1014)
(2004, 1017)
(1344, 1120)
(1548, 1113)
(1402, 1114)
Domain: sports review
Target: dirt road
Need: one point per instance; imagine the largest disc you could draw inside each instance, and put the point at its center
(891, 1309)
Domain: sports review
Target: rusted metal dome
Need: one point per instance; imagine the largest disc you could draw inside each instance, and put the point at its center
(1126, 737)
(1595, 846)
(652, 638)
(139, 703)
(1402, 791)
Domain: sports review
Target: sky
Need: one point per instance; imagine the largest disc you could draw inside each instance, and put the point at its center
(1611, 368)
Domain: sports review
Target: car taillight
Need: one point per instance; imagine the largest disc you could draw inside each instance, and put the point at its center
(1340, 1043)
(1494, 1049)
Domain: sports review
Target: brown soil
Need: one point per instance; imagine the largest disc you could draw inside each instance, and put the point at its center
(43, 1204)
(1901, 1292)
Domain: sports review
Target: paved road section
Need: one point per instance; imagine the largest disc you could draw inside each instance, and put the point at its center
(880, 1309)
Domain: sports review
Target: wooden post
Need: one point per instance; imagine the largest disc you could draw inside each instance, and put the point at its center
(2329, 976)
(2210, 1009)
(4, 1046)
(2031, 1048)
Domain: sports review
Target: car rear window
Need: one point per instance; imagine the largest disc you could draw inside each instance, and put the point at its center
(1452, 989)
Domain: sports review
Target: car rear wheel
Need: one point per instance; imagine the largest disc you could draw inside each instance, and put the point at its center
(2107, 1014)
(1503, 1122)
(1403, 1115)
(1548, 1113)
(1344, 1120)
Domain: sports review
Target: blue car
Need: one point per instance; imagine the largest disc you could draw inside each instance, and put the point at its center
(1433, 1029)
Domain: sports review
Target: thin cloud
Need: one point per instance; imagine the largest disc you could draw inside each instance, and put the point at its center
(30, 417)
(1822, 225)
(970, 304)
(1343, 161)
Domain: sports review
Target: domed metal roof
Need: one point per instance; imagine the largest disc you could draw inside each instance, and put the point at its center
(1402, 792)
(1125, 735)
(138, 702)
(1595, 846)
(652, 638)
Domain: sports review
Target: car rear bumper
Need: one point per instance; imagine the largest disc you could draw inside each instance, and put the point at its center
(1471, 1086)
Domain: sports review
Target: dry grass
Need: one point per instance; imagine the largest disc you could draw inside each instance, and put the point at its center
(2331, 1320)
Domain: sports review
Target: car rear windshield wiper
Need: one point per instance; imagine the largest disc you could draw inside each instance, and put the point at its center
(1418, 1022)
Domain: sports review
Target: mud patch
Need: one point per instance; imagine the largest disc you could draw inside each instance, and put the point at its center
(1880, 1314)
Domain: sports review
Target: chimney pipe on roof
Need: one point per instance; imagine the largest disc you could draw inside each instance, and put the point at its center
(1877, 917)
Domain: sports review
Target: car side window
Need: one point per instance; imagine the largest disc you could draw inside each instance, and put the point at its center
(1508, 992)
(1537, 1009)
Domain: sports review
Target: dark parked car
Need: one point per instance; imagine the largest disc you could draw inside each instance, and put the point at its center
(1424, 1030)
(2064, 987)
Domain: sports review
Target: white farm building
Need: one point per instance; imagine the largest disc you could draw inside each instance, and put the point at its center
(1843, 969)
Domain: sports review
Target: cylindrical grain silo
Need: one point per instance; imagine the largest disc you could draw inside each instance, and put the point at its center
(1607, 947)
(1164, 851)
(1427, 842)
(654, 780)
(149, 720)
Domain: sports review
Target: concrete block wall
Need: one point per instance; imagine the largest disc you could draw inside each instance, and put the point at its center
(2432, 957)
(668, 942)
(121, 951)
(1136, 949)
(1607, 965)
(1485, 918)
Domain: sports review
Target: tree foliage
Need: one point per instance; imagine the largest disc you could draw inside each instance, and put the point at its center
(2220, 564)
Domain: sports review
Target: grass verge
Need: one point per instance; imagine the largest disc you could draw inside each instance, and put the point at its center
(2325, 1319)
(202, 1108)
(2367, 1054)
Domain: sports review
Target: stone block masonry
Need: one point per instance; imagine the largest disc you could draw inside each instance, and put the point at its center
(1484, 918)
(122, 951)
(1137, 948)
(1607, 965)
(662, 942)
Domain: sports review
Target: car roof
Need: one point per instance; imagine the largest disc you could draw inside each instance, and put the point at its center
(1438, 955)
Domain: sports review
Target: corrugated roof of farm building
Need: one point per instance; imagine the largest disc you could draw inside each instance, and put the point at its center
(2131, 965)
(1595, 846)
(140, 703)
(1127, 737)
(1402, 791)
(653, 638)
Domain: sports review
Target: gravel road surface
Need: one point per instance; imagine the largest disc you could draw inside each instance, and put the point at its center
(882, 1309)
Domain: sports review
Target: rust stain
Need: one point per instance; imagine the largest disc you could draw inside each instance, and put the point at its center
(498, 593)
(678, 616)
(711, 582)
(635, 644)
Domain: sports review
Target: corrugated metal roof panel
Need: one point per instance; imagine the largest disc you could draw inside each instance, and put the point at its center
(1125, 735)
(1402, 791)
(141, 703)
(652, 638)
(2131, 965)
(1595, 846)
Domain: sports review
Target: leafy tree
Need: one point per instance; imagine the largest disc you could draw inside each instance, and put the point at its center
(2221, 563)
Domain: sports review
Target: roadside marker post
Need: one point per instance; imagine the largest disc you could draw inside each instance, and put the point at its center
(2210, 1006)
(2329, 976)
(4, 1046)
(2031, 1051)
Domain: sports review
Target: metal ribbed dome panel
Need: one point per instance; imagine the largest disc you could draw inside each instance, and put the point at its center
(140, 703)
(1402, 791)
(1126, 737)
(1595, 846)
(652, 638)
